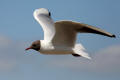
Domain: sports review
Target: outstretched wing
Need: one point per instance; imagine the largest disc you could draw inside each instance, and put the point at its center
(85, 28)
(47, 25)
(66, 32)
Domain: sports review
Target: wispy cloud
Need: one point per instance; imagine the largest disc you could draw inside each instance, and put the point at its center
(4, 41)
(5, 63)
(12, 54)
(106, 60)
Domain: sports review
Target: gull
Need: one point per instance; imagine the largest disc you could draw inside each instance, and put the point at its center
(60, 36)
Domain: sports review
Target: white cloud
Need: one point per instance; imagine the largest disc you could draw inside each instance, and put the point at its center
(12, 53)
(106, 60)
(4, 41)
(6, 65)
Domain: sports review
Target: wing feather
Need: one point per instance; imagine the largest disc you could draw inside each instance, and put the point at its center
(85, 28)
(66, 32)
(46, 23)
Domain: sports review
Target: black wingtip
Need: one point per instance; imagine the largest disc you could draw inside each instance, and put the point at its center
(113, 36)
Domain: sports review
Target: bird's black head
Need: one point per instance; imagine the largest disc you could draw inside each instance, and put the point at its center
(35, 46)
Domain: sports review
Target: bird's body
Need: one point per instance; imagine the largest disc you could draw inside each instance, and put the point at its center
(60, 36)
(49, 48)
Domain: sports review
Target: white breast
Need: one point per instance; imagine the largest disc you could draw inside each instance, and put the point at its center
(45, 46)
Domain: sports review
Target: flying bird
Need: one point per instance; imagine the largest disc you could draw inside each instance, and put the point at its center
(60, 36)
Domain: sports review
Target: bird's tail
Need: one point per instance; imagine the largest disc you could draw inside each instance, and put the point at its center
(79, 50)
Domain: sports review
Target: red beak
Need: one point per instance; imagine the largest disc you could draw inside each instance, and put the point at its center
(28, 48)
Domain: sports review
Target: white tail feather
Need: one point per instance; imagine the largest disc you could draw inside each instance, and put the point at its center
(80, 50)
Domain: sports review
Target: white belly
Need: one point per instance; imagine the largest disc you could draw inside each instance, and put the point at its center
(48, 48)
(55, 52)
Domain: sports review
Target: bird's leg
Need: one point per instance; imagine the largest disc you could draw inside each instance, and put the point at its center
(76, 55)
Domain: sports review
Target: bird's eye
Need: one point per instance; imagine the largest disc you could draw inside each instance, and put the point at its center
(34, 45)
(49, 14)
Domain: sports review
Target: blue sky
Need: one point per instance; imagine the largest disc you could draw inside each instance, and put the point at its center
(18, 29)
